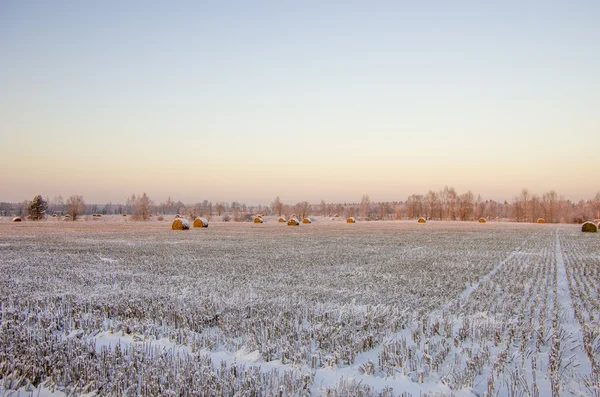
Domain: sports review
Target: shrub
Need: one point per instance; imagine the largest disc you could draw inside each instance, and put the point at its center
(75, 205)
(226, 218)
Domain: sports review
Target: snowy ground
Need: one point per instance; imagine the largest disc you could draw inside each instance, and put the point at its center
(112, 307)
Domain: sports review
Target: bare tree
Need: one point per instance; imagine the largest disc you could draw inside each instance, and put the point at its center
(302, 209)
(398, 209)
(219, 207)
(235, 211)
(141, 208)
(414, 206)
(549, 205)
(57, 204)
(74, 206)
(479, 207)
(384, 210)
(364, 207)
(431, 204)
(465, 205)
(524, 201)
(449, 198)
(277, 206)
(324, 208)
(517, 209)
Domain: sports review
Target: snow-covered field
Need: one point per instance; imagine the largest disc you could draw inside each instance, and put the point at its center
(112, 307)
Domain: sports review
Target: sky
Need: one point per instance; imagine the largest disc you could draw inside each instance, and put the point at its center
(245, 101)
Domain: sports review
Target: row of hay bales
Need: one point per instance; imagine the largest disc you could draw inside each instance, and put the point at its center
(180, 223)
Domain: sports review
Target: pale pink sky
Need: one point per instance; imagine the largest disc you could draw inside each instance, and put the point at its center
(252, 101)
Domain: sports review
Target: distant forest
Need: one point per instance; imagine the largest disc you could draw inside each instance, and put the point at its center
(446, 204)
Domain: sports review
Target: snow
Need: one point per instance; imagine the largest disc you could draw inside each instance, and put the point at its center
(272, 298)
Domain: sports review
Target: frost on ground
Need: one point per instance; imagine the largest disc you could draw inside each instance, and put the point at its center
(377, 308)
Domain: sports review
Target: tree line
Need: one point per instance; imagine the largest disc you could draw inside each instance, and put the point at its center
(445, 204)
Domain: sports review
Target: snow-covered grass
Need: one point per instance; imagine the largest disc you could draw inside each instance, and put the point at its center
(372, 308)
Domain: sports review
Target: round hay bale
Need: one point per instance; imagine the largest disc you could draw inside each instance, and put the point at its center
(200, 222)
(124, 214)
(282, 219)
(180, 224)
(589, 227)
(258, 219)
(293, 222)
(66, 218)
(336, 216)
(306, 220)
(54, 215)
(351, 220)
(541, 220)
(17, 219)
(482, 220)
(421, 220)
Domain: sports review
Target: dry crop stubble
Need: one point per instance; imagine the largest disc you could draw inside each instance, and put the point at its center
(303, 299)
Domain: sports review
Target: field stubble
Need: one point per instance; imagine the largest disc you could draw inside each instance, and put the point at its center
(377, 308)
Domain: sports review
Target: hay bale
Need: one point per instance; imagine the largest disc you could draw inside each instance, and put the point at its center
(258, 219)
(124, 214)
(541, 220)
(421, 220)
(17, 219)
(178, 216)
(482, 220)
(66, 218)
(180, 224)
(54, 215)
(306, 220)
(336, 216)
(200, 222)
(351, 220)
(282, 219)
(589, 227)
(293, 222)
